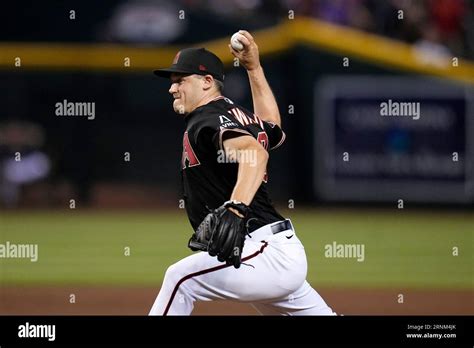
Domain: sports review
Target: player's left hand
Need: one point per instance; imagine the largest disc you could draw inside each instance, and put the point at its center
(222, 233)
(249, 56)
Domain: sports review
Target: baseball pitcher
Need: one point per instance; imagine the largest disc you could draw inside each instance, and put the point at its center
(246, 251)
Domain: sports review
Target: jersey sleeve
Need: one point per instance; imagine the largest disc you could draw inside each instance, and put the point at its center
(214, 129)
(275, 134)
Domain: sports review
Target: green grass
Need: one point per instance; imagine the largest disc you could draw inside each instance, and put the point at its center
(402, 249)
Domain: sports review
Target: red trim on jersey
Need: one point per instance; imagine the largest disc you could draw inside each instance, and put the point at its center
(209, 270)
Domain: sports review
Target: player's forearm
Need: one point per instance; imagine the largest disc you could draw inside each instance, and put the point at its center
(250, 176)
(264, 103)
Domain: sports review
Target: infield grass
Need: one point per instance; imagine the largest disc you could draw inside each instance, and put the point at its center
(402, 249)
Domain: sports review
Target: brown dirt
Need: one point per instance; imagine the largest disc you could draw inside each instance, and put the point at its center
(138, 301)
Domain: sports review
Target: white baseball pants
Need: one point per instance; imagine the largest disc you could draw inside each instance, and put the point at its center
(271, 278)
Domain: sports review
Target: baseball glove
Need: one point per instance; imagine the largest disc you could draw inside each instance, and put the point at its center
(222, 233)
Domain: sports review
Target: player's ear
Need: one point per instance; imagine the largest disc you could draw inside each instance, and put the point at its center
(208, 82)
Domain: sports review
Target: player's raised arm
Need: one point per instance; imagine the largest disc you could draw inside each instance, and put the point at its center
(264, 102)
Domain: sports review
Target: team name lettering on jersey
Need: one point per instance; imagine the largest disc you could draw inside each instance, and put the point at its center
(189, 158)
(244, 119)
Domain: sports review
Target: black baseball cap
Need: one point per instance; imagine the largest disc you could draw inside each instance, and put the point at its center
(194, 61)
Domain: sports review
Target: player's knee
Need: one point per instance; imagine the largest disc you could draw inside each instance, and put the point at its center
(174, 273)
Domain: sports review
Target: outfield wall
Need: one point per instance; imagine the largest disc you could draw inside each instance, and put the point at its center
(134, 115)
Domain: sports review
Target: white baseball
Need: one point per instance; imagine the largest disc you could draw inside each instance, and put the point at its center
(236, 43)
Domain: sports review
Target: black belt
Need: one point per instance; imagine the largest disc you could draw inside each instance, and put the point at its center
(281, 226)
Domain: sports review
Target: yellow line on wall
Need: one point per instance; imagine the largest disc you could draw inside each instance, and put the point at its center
(373, 48)
(83, 56)
(343, 41)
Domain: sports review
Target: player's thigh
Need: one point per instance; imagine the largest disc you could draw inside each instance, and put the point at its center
(228, 282)
(304, 301)
(190, 266)
(206, 271)
(260, 276)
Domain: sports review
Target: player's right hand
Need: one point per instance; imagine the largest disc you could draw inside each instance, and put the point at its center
(249, 56)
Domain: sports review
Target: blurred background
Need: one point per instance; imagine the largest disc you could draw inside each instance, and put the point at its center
(86, 189)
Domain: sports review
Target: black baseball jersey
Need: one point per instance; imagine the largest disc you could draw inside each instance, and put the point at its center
(208, 176)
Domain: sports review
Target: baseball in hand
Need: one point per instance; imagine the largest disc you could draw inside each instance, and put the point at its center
(236, 43)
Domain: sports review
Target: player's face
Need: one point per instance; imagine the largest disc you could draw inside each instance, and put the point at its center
(187, 91)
